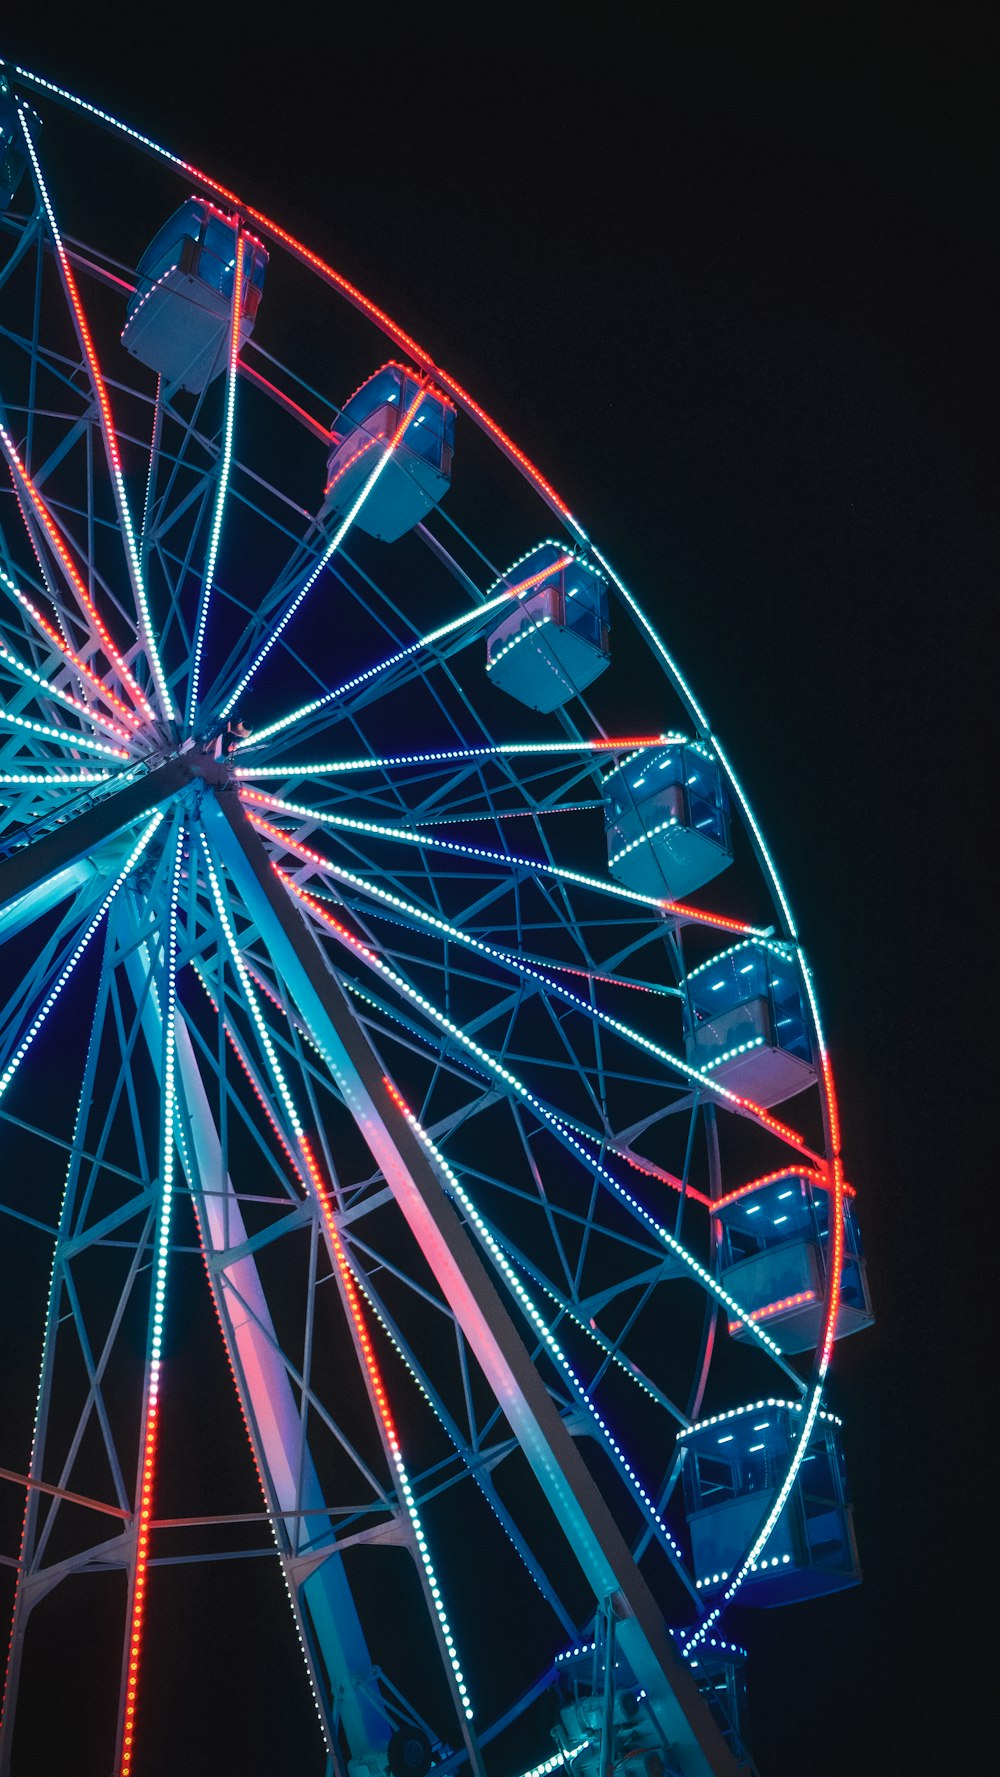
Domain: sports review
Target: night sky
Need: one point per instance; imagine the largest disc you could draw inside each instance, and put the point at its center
(727, 287)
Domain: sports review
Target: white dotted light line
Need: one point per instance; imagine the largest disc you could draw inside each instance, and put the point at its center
(509, 860)
(114, 460)
(223, 484)
(541, 1325)
(250, 996)
(557, 1761)
(772, 944)
(56, 781)
(333, 767)
(591, 1011)
(526, 630)
(67, 970)
(62, 735)
(66, 698)
(643, 839)
(502, 599)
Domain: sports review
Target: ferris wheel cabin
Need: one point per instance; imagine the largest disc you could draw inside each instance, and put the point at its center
(718, 1667)
(554, 643)
(394, 408)
(666, 820)
(745, 1022)
(774, 1238)
(734, 1466)
(179, 317)
(13, 148)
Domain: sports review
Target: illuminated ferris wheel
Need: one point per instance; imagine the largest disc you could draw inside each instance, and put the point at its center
(364, 973)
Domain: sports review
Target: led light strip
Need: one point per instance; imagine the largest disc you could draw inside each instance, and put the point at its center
(168, 1016)
(61, 779)
(107, 424)
(796, 1301)
(643, 839)
(66, 698)
(370, 443)
(751, 1407)
(558, 1761)
(521, 635)
(334, 544)
(510, 1079)
(322, 1195)
(52, 635)
(533, 1314)
(388, 1424)
(223, 485)
(63, 735)
(333, 767)
(510, 860)
(53, 994)
(20, 476)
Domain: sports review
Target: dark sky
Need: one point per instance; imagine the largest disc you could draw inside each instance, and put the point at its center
(728, 287)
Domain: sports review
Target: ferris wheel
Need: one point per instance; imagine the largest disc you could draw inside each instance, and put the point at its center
(365, 972)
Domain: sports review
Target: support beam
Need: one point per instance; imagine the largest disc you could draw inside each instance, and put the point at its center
(54, 854)
(695, 1742)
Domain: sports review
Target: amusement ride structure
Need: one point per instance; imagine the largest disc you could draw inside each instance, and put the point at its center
(363, 972)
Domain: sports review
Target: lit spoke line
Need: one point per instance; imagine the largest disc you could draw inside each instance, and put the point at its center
(389, 1428)
(161, 1254)
(57, 781)
(334, 544)
(511, 1080)
(62, 735)
(66, 698)
(509, 860)
(52, 636)
(223, 486)
(452, 1432)
(512, 750)
(55, 990)
(23, 482)
(107, 428)
(413, 648)
(528, 970)
(346, 1276)
(537, 1319)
